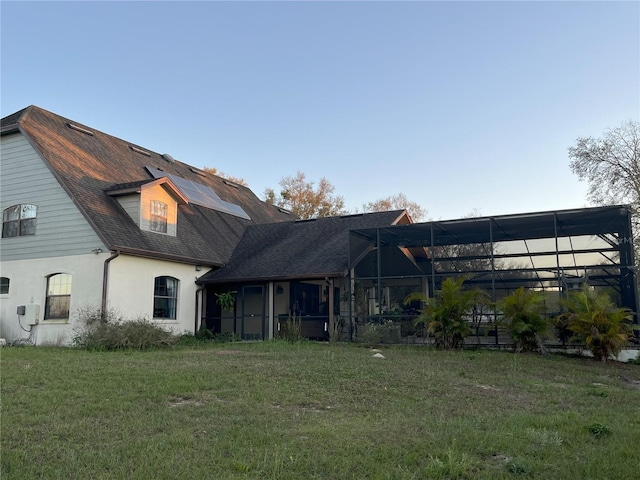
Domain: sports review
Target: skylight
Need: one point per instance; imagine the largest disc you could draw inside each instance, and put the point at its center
(201, 194)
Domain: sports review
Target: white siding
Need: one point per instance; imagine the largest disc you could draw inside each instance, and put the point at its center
(29, 284)
(61, 230)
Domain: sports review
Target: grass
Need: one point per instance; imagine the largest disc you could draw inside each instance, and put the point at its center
(276, 410)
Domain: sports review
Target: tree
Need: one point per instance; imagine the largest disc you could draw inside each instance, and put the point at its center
(597, 321)
(611, 166)
(523, 316)
(300, 197)
(219, 173)
(397, 202)
(447, 314)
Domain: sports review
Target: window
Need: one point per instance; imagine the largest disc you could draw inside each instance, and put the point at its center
(58, 297)
(158, 217)
(19, 220)
(165, 297)
(4, 285)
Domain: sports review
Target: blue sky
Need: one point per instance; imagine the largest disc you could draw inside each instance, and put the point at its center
(458, 105)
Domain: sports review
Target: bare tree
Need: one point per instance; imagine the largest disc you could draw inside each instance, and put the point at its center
(396, 202)
(300, 197)
(219, 173)
(611, 167)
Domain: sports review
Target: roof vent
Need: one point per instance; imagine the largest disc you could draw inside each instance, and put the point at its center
(80, 129)
(230, 183)
(168, 158)
(198, 172)
(139, 150)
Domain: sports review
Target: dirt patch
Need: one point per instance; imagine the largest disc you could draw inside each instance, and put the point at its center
(184, 402)
(488, 388)
(632, 383)
(499, 458)
(305, 408)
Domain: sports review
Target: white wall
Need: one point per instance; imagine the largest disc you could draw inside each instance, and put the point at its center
(130, 289)
(130, 293)
(28, 283)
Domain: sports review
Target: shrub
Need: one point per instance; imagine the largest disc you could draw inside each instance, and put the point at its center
(339, 329)
(598, 430)
(291, 328)
(204, 333)
(110, 331)
(446, 315)
(593, 317)
(523, 317)
(376, 333)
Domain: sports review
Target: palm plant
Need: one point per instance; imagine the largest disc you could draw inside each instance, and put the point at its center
(523, 316)
(446, 314)
(597, 321)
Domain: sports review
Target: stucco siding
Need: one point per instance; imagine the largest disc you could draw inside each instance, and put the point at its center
(28, 284)
(61, 229)
(131, 290)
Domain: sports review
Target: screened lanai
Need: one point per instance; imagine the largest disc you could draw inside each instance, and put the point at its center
(553, 252)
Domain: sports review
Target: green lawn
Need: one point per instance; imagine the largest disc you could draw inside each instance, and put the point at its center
(279, 411)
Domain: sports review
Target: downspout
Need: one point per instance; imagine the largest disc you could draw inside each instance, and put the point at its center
(105, 280)
(198, 312)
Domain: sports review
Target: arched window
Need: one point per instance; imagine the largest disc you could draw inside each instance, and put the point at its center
(58, 296)
(165, 298)
(19, 220)
(4, 285)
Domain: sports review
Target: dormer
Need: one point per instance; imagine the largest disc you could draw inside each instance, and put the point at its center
(151, 204)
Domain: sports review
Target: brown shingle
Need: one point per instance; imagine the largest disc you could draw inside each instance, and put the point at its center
(88, 165)
(305, 248)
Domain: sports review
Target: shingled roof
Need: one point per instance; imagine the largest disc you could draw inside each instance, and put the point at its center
(89, 163)
(314, 248)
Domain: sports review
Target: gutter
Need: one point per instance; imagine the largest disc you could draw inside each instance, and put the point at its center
(105, 280)
(199, 291)
(284, 278)
(138, 252)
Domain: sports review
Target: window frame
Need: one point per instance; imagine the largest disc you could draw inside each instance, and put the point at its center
(170, 310)
(158, 217)
(3, 284)
(24, 222)
(61, 291)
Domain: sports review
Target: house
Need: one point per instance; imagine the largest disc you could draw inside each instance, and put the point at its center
(91, 220)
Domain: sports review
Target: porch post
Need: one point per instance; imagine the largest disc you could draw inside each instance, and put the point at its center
(331, 315)
(270, 314)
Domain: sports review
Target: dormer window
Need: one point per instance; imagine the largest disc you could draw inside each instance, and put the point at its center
(19, 220)
(152, 204)
(159, 212)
